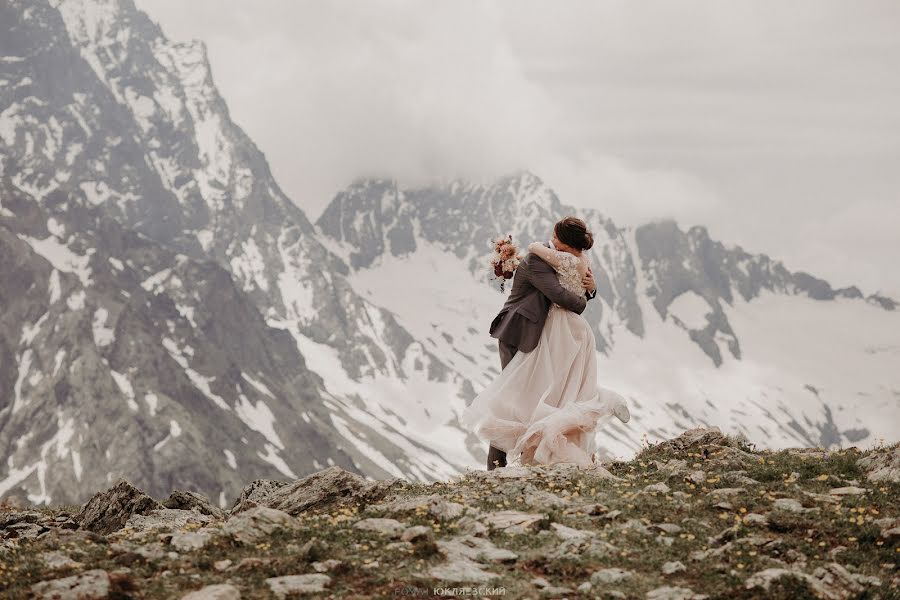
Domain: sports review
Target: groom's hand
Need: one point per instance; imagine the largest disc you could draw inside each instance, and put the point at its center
(588, 281)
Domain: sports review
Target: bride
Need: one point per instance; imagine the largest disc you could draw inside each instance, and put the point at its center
(545, 405)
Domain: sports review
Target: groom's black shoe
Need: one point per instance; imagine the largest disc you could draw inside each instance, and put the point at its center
(495, 455)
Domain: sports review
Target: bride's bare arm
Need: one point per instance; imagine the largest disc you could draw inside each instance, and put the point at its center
(548, 254)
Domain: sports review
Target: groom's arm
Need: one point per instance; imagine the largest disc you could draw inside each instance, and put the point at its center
(544, 278)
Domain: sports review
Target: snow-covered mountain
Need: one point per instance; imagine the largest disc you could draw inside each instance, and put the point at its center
(168, 315)
(693, 331)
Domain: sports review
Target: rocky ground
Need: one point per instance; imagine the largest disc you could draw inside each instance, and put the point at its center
(700, 516)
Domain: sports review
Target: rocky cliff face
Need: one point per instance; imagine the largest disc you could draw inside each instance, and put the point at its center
(700, 516)
(160, 291)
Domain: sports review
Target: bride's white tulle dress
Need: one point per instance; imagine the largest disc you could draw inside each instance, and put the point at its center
(545, 406)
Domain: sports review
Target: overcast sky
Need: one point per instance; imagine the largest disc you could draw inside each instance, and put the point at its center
(776, 124)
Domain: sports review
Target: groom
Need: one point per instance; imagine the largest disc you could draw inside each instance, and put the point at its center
(519, 324)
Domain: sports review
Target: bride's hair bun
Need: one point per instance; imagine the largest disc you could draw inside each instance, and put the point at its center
(572, 231)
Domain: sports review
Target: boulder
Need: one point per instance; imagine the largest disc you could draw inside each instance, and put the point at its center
(564, 532)
(579, 547)
(330, 487)
(470, 526)
(694, 439)
(791, 505)
(289, 585)
(465, 557)
(254, 493)
(417, 533)
(475, 548)
(696, 477)
(513, 521)
(882, 464)
(658, 488)
(831, 582)
(459, 568)
(673, 567)
(188, 541)
(436, 504)
(165, 519)
(90, 585)
(851, 490)
(548, 588)
(220, 591)
(58, 560)
(543, 500)
(672, 467)
(389, 527)
(110, 510)
(611, 575)
(323, 566)
(674, 593)
(193, 501)
(258, 523)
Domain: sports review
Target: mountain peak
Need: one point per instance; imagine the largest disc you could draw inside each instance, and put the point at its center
(90, 22)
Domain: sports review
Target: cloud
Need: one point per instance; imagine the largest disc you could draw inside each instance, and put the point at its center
(626, 193)
(414, 90)
(775, 124)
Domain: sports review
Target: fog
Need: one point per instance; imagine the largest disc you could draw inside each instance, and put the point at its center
(775, 124)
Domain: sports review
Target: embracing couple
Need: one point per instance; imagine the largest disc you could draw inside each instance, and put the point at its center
(545, 405)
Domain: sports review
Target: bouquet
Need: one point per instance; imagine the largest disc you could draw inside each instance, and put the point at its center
(505, 259)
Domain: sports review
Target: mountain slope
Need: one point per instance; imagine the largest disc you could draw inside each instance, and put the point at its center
(126, 186)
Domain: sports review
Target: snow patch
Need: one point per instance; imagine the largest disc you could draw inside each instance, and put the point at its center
(76, 464)
(56, 228)
(691, 309)
(126, 388)
(258, 385)
(76, 300)
(152, 401)
(53, 287)
(14, 477)
(249, 266)
(366, 449)
(276, 461)
(20, 400)
(29, 332)
(230, 459)
(155, 281)
(259, 418)
(61, 257)
(103, 335)
(187, 312)
(205, 237)
(200, 382)
(58, 360)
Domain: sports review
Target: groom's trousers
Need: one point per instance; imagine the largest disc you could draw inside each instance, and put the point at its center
(495, 454)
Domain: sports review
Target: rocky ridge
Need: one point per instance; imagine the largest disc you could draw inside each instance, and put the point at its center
(704, 515)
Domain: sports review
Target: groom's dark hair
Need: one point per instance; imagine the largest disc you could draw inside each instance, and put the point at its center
(572, 231)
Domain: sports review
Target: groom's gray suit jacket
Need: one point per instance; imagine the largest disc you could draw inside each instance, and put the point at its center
(535, 287)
